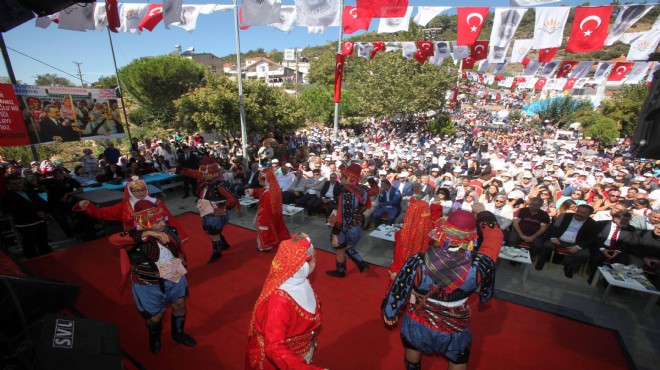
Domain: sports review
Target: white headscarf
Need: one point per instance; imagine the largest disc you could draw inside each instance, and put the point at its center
(132, 198)
(300, 289)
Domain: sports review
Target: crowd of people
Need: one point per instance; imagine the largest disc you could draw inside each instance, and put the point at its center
(589, 204)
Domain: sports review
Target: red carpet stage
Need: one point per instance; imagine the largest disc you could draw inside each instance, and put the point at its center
(222, 294)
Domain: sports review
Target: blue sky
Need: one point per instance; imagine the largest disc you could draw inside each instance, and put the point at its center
(214, 34)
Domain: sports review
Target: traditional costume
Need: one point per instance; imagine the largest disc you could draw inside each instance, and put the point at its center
(434, 287)
(287, 316)
(271, 229)
(215, 199)
(157, 271)
(414, 236)
(347, 225)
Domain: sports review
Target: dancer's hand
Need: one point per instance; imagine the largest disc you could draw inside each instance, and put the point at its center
(162, 237)
(83, 204)
(390, 322)
(335, 241)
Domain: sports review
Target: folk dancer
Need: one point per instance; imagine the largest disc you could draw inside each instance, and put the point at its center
(271, 229)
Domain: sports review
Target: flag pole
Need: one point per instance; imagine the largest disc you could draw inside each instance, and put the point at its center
(339, 46)
(239, 71)
(121, 93)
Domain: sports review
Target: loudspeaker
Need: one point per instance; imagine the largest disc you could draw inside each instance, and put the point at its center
(13, 14)
(70, 343)
(647, 131)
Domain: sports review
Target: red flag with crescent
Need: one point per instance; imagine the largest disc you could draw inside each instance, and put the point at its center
(540, 83)
(348, 49)
(479, 50)
(339, 72)
(353, 22)
(470, 22)
(424, 51)
(570, 83)
(620, 70)
(565, 67)
(546, 55)
(382, 8)
(468, 63)
(152, 18)
(378, 46)
(516, 81)
(589, 30)
(112, 15)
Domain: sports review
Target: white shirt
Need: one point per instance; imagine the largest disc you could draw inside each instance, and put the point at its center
(330, 193)
(285, 181)
(571, 232)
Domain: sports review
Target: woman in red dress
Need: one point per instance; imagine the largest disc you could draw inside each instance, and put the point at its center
(414, 236)
(271, 229)
(287, 316)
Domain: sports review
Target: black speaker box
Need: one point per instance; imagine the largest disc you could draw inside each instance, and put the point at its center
(646, 138)
(70, 343)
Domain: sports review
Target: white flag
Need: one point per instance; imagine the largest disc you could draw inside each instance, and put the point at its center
(314, 13)
(426, 13)
(408, 49)
(190, 13)
(531, 2)
(507, 82)
(602, 71)
(490, 79)
(100, 17)
(530, 83)
(549, 26)
(172, 12)
(287, 17)
(637, 72)
(532, 67)
(505, 25)
(520, 49)
(364, 49)
(580, 83)
(499, 67)
(497, 54)
(389, 25)
(628, 15)
(630, 37)
(655, 68)
(550, 84)
(78, 17)
(131, 15)
(460, 52)
(392, 46)
(260, 12)
(436, 60)
(560, 83)
(316, 29)
(581, 70)
(549, 69)
(483, 66)
(44, 22)
(645, 45)
(441, 49)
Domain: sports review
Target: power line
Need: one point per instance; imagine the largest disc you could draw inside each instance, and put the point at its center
(44, 63)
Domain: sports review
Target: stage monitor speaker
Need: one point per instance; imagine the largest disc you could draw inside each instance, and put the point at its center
(13, 14)
(34, 298)
(47, 7)
(646, 138)
(70, 343)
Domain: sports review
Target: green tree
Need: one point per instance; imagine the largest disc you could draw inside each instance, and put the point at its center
(442, 125)
(105, 82)
(319, 105)
(625, 105)
(51, 79)
(156, 82)
(602, 128)
(559, 111)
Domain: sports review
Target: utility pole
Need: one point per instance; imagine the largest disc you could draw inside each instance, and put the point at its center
(80, 74)
(295, 51)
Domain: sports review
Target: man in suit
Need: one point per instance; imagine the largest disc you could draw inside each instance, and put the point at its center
(187, 159)
(575, 233)
(253, 178)
(612, 241)
(404, 186)
(329, 194)
(53, 128)
(389, 203)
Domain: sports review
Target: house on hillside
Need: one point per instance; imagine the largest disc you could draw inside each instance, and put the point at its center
(260, 68)
(212, 62)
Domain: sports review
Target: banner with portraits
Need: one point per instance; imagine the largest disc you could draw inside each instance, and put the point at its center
(51, 114)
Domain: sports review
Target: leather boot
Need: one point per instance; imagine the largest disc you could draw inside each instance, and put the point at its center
(217, 251)
(411, 365)
(154, 336)
(179, 336)
(225, 245)
(355, 257)
(340, 271)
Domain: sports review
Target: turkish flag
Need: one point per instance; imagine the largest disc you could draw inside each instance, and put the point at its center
(426, 47)
(620, 70)
(240, 19)
(570, 83)
(470, 22)
(540, 83)
(526, 61)
(565, 67)
(152, 18)
(339, 73)
(516, 81)
(112, 15)
(352, 22)
(348, 48)
(468, 63)
(421, 56)
(479, 50)
(382, 8)
(546, 55)
(378, 46)
(589, 28)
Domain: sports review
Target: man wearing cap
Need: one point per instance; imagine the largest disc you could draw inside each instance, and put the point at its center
(347, 224)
